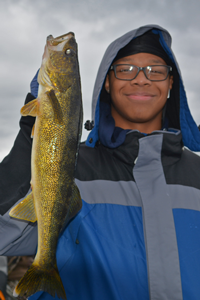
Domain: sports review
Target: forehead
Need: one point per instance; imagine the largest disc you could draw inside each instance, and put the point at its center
(141, 59)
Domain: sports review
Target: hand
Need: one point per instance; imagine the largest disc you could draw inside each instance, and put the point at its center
(26, 261)
(34, 85)
(2, 297)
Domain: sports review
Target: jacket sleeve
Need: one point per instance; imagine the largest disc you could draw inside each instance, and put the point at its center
(17, 237)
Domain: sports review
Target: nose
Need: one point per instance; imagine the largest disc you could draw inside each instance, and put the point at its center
(141, 78)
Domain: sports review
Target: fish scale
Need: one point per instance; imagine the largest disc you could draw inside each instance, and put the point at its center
(55, 198)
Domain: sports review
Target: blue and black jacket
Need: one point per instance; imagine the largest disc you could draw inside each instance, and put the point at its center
(137, 235)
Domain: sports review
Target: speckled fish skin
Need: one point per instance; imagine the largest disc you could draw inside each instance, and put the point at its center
(56, 137)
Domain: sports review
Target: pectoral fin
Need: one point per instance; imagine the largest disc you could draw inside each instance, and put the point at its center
(25, 210)
(58, 115)
(30, 109)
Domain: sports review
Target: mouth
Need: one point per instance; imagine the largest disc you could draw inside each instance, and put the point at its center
(140, 96)
(61, 38)
(59, 42)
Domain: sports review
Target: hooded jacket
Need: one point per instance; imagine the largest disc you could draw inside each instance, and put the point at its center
(137, 234)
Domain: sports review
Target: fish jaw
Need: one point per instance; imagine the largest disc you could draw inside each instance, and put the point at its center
(58, 43)
(59, 53)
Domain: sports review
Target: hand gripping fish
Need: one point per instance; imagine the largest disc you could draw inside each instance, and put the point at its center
(55, 198)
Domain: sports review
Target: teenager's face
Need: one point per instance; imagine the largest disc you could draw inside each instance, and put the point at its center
(138, 104)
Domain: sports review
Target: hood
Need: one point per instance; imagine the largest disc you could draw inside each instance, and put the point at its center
(177, 112)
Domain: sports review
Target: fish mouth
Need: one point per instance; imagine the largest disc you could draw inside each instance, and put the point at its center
(59, 42)
(61, 38)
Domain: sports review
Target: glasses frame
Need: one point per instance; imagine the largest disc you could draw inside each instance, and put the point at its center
(113, 68)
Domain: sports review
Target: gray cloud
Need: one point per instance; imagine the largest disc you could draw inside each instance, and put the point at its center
(25, 24)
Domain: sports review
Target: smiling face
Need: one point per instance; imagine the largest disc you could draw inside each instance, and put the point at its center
(138, 104)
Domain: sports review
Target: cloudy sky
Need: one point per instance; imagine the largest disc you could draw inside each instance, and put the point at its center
(25, 24)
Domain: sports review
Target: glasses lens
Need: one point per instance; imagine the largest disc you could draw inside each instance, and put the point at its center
(156, 72)
(153, 73)
(125, 72)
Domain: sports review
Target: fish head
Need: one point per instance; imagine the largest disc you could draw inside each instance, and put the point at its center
(59, 62)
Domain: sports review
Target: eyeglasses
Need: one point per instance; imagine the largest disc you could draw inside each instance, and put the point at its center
(130, 72)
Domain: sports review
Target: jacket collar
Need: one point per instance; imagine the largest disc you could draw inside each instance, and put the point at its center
(172, 145)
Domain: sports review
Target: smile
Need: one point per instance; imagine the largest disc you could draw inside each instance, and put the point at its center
(140, 96)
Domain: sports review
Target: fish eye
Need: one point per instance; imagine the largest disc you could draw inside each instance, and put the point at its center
(68, 51)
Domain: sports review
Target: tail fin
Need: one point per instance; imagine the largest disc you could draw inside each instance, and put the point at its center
(37, 279)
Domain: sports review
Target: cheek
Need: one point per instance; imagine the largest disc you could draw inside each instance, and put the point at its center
(166, 86)
(116, 88)
(163, 90)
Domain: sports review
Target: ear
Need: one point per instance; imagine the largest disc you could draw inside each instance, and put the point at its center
(107, 84)
(171, 81)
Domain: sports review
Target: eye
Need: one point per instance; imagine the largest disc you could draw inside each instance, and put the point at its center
(124, 69)
(68, 51)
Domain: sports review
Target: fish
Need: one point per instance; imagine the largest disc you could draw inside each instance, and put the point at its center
(55, 199)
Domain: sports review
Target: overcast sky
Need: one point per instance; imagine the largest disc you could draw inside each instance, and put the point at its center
(25, 24)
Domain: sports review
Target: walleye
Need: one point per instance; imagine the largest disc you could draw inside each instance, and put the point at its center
(55, 198)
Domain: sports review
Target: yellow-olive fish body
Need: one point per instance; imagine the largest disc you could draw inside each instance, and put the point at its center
(55, 198)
